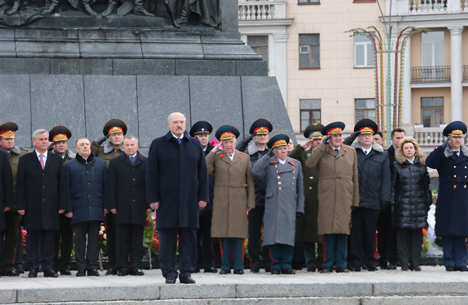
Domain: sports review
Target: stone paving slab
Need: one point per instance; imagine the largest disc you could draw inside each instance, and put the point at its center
(430, 286)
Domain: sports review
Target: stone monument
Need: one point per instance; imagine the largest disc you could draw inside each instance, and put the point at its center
(80, 63)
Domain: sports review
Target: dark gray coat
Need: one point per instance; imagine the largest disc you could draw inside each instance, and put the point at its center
(6, 187)
(127, 189)
(284, 198)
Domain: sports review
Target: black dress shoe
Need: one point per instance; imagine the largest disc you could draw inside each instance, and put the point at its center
(81, 273)
(391, 267)
(186, 280)
(136, 271)
(170, 279)
(50, 273)
(404, 268)
(341, 269)
(111, 271)
(211, 270)
(275, 271)
(268, 269)
(449, 268)
(11, 273)
(33, 273)
(93, 272)
(196, 270)
(255, 270)
(418, 268)
(122, 272)
(462, 269)
(371, 268)
(326, 269)
(288, 271)
(238, 271)
(311, 269)
(65, 272)
(19, 270)
(223, 271)
(356, 269)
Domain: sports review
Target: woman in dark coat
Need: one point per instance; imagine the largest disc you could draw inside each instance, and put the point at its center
(411, 199)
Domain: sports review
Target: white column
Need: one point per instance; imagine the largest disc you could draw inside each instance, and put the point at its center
(456, 72)
(406, 102)
(280, 63)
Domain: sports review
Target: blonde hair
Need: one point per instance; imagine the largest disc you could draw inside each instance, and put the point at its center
(400, 157)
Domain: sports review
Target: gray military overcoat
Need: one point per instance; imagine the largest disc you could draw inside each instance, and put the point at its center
(284, 198)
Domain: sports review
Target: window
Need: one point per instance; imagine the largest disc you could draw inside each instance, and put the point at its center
(309, 51)
(260, 45)
(310, 112)
(432, 49)
(365, 109)
(364, 55)
(308, 1)
(432, 111)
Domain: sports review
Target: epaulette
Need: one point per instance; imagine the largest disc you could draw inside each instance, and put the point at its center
(24, 149)
(242, 153)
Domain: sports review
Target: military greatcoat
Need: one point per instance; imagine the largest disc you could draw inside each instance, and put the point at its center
(284, 198)
(452, 202)
(233, 193)
(306, 227)
(338, 187)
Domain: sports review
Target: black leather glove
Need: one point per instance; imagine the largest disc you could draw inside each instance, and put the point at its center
(299, 215)
(354, 135)
(101, 140)
(446, 142)
(271, 152)
(325, 141)
(51, 146)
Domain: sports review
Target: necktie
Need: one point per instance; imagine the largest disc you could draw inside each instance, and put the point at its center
(337, 150)
(42, 160)
(132, 159)
(178, 140)
(456, 153)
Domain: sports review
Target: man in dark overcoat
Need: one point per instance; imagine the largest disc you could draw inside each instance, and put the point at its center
(205, 254)
(306, 227)
(41, 197)
(451, 161)
(127, 201)
(177, 185)
(6, 191)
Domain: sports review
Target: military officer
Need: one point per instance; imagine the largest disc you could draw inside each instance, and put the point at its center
(260, 133)
(59, 136)
(205, 254)
(10, 235)
(114, 131)
(338, 192)
(451, 161)
(284, 202)
(306, 227)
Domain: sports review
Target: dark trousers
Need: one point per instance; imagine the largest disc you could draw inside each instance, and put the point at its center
(386, 239)
(167, 250)
(19, 249)
(255, 236)
(205, 252)
(64, 243)
(40, 246)
(110, 233)
(314, 260)
(87, 244)
(129, 240)
(409, 244)
(232, 256)
(281, 256)
(335, 253)
(10, 240)
(364, 225)
(455, 253)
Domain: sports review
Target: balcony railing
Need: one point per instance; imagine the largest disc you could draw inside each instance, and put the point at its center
(431, 136)
(465, 72)
(430, 74)
(411, 7)
(262, 10)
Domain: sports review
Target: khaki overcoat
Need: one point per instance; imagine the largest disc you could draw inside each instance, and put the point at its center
(338, 187)
(233, 193)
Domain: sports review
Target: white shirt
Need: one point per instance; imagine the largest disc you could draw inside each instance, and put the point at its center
(339, 148)
(43, 158)
(282, 161)
(177, 136)
(367, 151)
(230, 156)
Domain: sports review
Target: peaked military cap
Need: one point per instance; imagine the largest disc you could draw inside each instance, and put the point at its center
(261, 126)
(227, 132)
(114, 126)
(7, 130)
(59, 133)
(455, 129)
(201, 127)
(334, 128)
(278, 140)
(314, 131)
(366, 126)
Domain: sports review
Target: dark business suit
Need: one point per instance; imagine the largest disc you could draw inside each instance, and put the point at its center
(127, 194)
(41, 194)
(6, 190)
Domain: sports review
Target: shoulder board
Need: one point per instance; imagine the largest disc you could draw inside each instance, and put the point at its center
(24, 149)
(350, 147)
